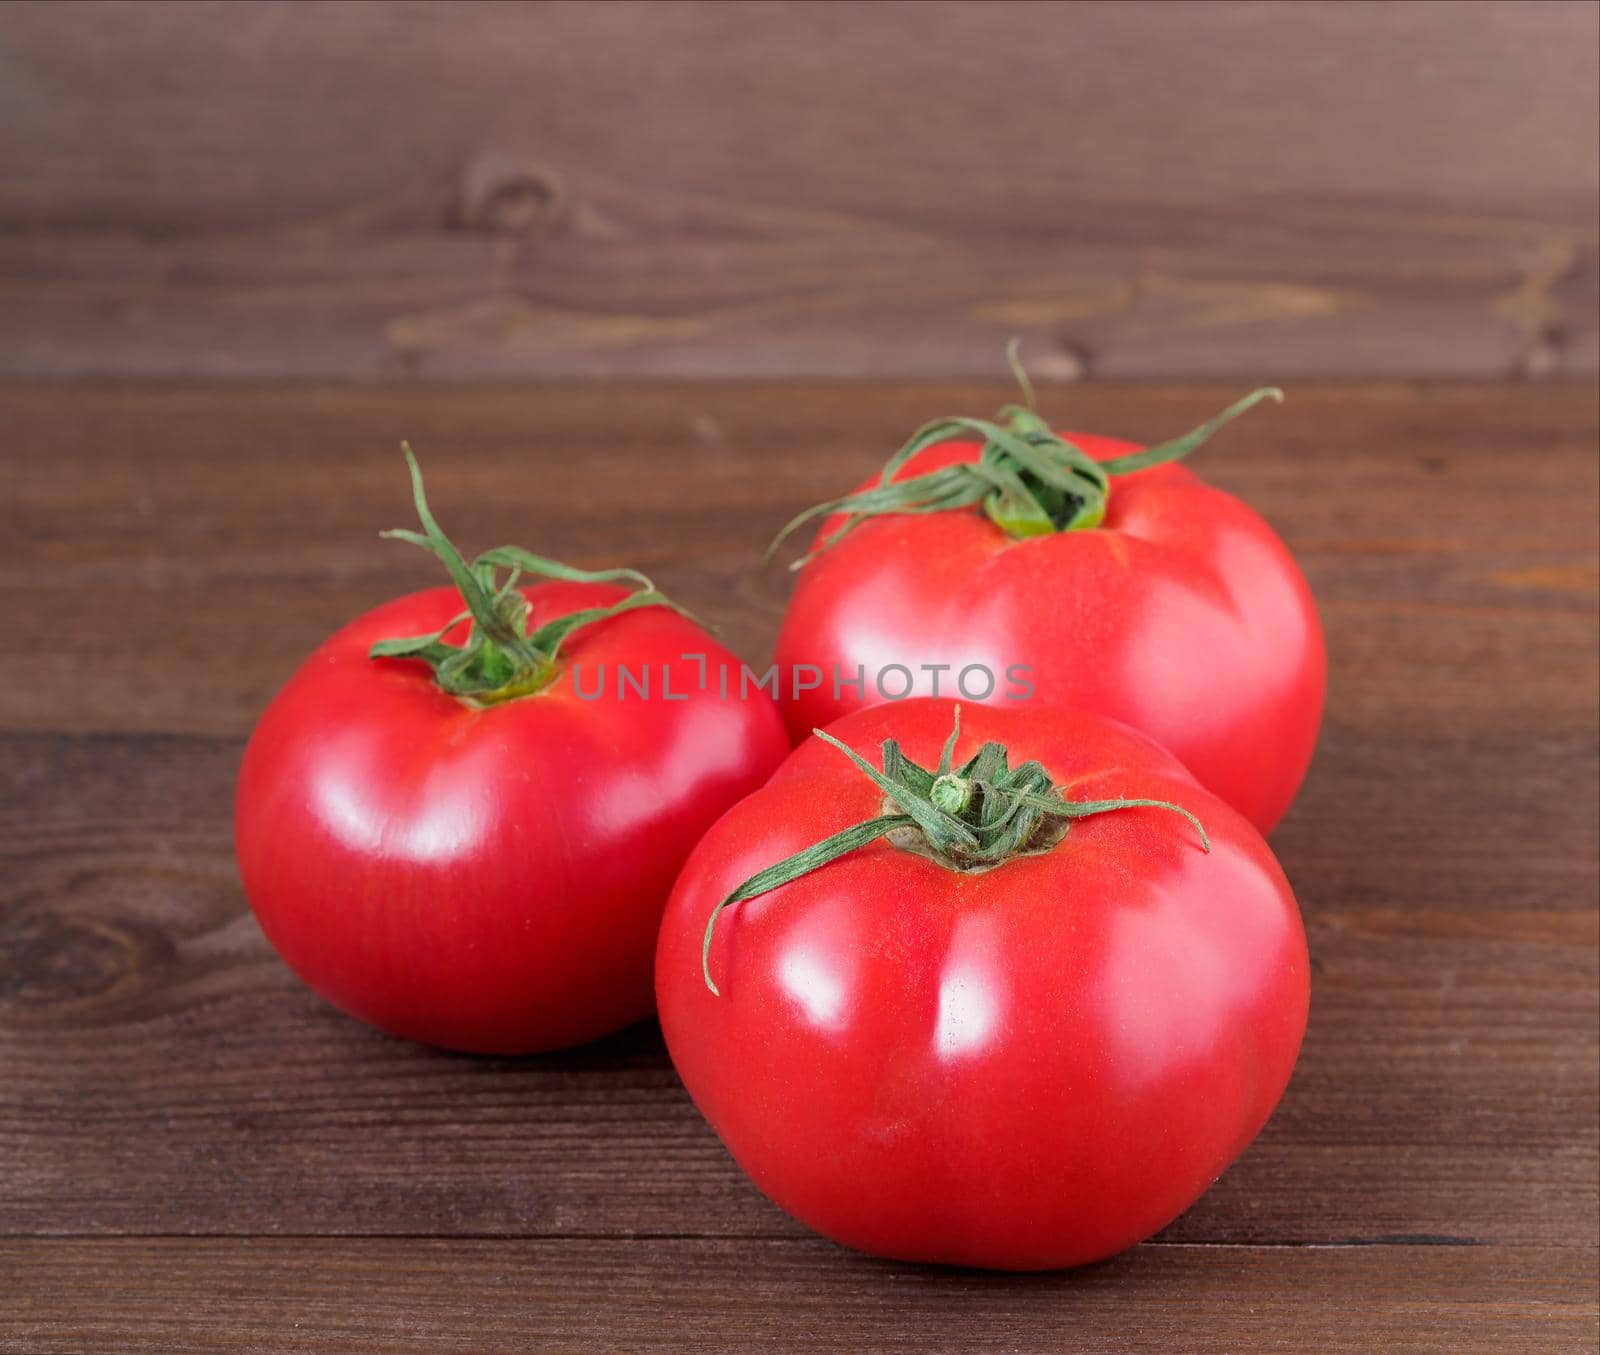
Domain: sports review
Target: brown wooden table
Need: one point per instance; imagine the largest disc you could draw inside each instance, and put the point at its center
(196, 1154)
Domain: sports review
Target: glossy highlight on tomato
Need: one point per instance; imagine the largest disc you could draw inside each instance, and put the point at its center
(1030, 1066)
(1180, 612)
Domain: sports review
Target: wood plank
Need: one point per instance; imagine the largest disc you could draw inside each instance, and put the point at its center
(195, 1153)
(161, 1071)
(357, 190)
(1444, 849)
(267, 1295)
(1448, 531)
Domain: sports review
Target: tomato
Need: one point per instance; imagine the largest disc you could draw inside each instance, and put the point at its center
(1149, 597)
(480, 869)
(1024, 1066)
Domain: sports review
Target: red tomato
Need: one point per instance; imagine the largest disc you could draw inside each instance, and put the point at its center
(1181, 614)
(1032, 1066)
(490, 877)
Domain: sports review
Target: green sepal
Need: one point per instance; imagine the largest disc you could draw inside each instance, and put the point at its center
(431, 647)
(935, 823)
(499, 660)
(526, 562)
(548, 638)
(977, 816)
(1028, 480)
(1179, 448)
(829, 849)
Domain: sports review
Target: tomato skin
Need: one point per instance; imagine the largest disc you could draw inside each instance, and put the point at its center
(1183, 615)
(1028, 1068)
(489, 879)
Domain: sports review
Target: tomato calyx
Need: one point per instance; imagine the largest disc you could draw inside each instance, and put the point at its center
(971, 818)
(1028, 480)
(500, 659)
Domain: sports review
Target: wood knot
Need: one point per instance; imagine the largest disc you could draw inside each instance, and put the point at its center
(1065, 360)
(504, 195)
(50, 960)
(1543, 354)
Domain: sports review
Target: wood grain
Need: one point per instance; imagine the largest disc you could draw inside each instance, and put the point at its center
(1446, 529)
(163, 1072)
(268, 1295)
(702, 189)
(195, 1153)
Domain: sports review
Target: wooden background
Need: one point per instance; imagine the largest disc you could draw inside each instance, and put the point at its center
(247, 248)
(377, 190)
(197, 1154)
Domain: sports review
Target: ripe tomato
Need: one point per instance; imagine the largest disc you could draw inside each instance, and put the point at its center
(1149, 597)
(1027, 1066)
(480, 870)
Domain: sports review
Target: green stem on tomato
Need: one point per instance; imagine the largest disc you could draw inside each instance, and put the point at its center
(1028, 480)
(499, 660)
(972, 817)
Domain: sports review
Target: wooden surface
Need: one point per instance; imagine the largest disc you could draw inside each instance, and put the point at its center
(196, 1154)
(361, 190)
